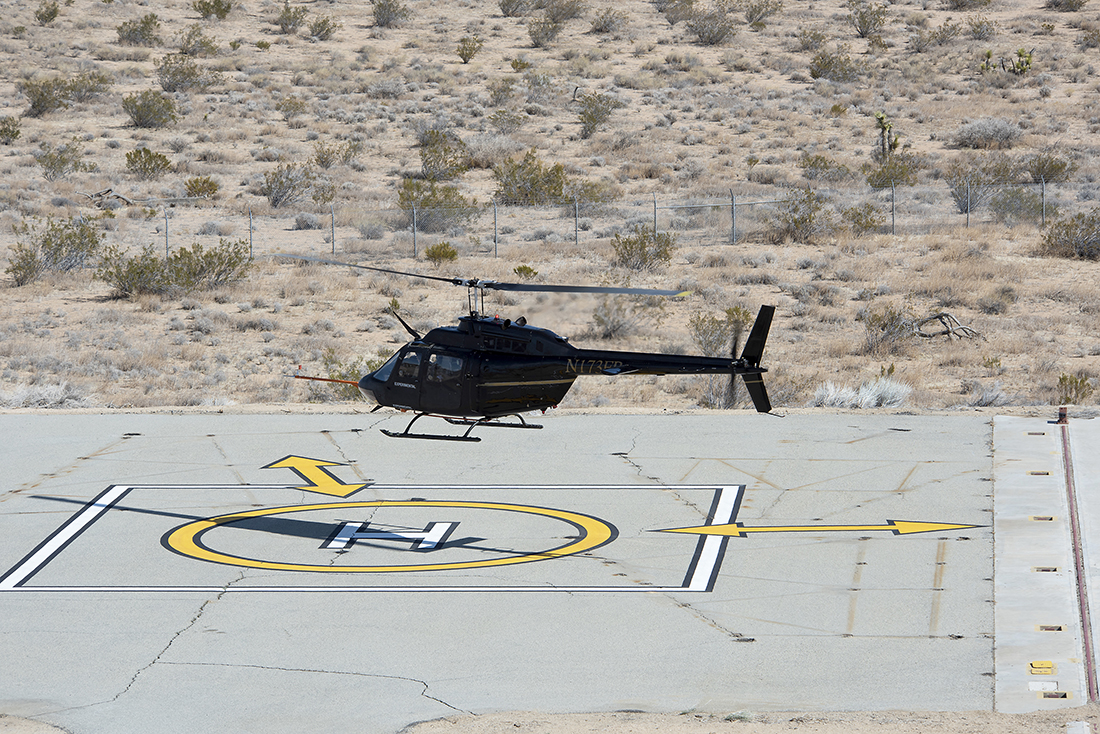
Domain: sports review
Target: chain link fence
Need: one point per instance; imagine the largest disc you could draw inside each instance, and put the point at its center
(746, 216)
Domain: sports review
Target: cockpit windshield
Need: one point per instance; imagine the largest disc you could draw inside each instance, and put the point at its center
(382, 374)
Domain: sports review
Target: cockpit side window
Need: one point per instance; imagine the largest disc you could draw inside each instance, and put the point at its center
(409, 368)
(444, 368)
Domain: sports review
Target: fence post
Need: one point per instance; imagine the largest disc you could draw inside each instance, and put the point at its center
(250, 255)
(166, 233)
(733, 218)
(495, 240)
(654, 213)
(1043, 189)
(968, 205)
(893, 210)
(332, 225)
(414, 230)
(576, 222)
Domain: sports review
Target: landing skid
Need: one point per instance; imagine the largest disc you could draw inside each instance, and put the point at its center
(471, 423)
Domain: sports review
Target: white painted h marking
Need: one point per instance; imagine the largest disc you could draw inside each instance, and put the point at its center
(427, 539)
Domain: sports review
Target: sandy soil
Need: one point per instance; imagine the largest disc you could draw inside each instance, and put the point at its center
(744, 722)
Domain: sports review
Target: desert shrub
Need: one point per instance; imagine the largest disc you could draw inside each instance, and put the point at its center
(388, 13)
(596, 109)
(889, 331)
(619, 316)
(560, 11)
(180, 73)
(324, 28)
(1074, 389)
(981, 28)
(756, 12)
(1015, 205)
(644, 248)
(468, 46)
(530, 181)
(207, 9)
(291, 107)
(988, 133)
(801, 217)
(899, 169)
(61, 160)
(440, 253)
(193, 42)
(717, 336)
(1048, 166)
(712, 27)
(336, 369)
(44, 95)
(609, 20)
(184, 271)
(966, 4)
(925, 38)
(822, 168)
(676, 11)
(150, 109)
(140, 32)
(308, 221)
(59, 246)
(323, 191)
(972, 180)
(84, 87)
(809, 39)
(525, 271)
(1078, 236)
(9, 130)
(864, 219)
(714, 335)
(507, 122)
(47, 12)
(1065, 6)
(542, 31)
(287, 184)
(835, 65)
(325, 155)
(443, 156)
(514, 8)
(201, 187)
(868, 18)
(993, 303)
(146, 164)
(290, 19)
(433, 206)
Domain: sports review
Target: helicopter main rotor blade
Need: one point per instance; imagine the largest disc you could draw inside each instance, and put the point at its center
(498, 286)
(491, 284)
(452, 281)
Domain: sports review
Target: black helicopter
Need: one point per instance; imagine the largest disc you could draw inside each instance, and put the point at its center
(488, 368)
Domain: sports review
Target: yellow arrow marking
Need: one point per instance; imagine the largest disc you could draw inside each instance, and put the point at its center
(320, 480)
(897, 527)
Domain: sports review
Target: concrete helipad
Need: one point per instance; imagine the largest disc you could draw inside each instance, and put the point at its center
(303, 572)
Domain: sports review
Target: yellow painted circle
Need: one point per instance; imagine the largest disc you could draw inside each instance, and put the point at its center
(187, 539)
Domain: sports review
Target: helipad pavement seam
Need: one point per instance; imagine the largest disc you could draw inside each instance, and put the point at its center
(1038, 651)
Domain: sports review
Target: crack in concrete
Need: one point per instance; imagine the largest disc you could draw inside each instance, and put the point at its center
(735, 636)
(194, 620)
(225, 457)
(423, 693)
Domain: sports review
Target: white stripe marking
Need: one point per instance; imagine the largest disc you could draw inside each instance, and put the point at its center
(712, 544)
